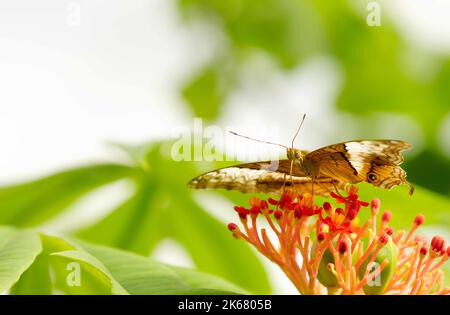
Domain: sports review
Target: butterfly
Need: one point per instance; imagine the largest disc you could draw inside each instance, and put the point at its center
(323, 170)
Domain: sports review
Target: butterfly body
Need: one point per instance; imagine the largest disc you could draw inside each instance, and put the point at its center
(299, 158)
(329, 168)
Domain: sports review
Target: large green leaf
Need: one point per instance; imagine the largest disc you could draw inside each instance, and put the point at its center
(164, 207)
(100, 270)
(18, 250)
(33, 203)
(141, 275)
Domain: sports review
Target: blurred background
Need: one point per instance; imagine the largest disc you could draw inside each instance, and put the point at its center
(93, 93)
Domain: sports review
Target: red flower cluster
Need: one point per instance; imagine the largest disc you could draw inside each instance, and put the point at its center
(336, 251)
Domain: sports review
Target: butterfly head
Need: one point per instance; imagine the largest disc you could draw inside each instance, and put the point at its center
(295, 155)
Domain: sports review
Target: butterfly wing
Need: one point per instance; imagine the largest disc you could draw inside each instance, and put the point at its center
(263, 177)
(373, 161)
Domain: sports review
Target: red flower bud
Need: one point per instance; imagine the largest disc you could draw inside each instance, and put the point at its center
(386, 216)
(384, 239)
(342, 246)
(327, 206)
(437, 244)
(255, 210)
(263, 205)
(420, 218)
(375, 206)
(233, 227)
(448, 251)
(423, 251)
(352, 212)
(389, 230)
(320, 236)
(272, 201)
(298, 211)
(278, 214)
(241, 211)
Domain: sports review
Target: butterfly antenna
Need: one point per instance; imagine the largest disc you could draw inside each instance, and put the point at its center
(298, 130)
(268, 142)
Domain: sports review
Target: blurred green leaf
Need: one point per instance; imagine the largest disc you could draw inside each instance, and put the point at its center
(102, 270)
(405, 208)
(105, 270)
(437, 174)
(272, 26)
(18, 250)
(135, 223)
(141, 275)
(206, 92)
(94, 277)
(163, 207)
(33, 203)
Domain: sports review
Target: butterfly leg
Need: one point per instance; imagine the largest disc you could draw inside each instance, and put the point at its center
(312, 191)
(283, 187)
(337, 190)
(290, 174)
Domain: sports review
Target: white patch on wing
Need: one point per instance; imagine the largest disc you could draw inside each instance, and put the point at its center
(389, 150)
(353, 148)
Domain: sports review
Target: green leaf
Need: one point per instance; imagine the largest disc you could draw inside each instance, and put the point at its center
(98, 269)
(134, 223)
(205, 93)
(18, 250)
(141, 275)
(271, 26)
(94, 277)
(33, 203)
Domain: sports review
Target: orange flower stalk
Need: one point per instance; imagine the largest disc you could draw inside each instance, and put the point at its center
(326, 250)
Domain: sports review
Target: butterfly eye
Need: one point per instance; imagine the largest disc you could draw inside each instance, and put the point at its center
(372, 177)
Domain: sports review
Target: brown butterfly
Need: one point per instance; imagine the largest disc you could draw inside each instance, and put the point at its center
(320, 171)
